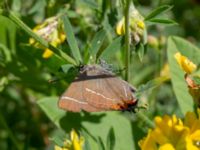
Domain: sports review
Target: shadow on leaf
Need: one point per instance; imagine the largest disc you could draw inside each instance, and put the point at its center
(74, 120)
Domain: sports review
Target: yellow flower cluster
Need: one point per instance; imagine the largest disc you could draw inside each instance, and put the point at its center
(75, 142)
(187, 65)
(52, 31)
(171, 133)
(137, 26)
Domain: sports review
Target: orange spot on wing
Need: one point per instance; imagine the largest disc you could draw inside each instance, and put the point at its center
(124, 106)
(116, 107)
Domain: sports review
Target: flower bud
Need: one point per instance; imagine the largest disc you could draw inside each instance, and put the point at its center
(153, 41)
(137, 26)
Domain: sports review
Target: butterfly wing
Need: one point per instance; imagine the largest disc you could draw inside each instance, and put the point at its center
(96, 89)
(107, 91)
(73, 100)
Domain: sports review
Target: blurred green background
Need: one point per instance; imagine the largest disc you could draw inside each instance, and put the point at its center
(25, 75)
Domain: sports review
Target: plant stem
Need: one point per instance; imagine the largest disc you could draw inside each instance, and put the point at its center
(12, 137)
(145, 119)
(127, 41)
(11, 15)
(159, 59)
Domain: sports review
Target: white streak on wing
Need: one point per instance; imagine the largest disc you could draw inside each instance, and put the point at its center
(93, 92)
(125, 91)
(73, 99)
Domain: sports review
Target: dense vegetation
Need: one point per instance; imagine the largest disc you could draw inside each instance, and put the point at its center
(152, 44)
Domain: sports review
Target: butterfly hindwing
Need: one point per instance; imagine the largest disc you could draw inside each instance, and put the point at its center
(96, 89)
(73, 100)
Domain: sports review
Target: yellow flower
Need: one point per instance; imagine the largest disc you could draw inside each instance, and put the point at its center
(120, 28)
(47, 53)
(148, 143)
(171, 133)
(140, 24)
(59, 148)
(187, 65)
(75, 142)
(52, 31)
(137, 26)
(167, 147)
(193, 122)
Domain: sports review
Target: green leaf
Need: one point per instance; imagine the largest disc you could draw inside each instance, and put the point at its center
(71, 39)
(111, 49)
(66, 67)
(97, 42)
(6, 53)
(50, 107)
(158, 11)
(91, 3)
(163, 21)
(176, 44)
(72, 14)
(151, 85)
(94, 124)
(3, 83)
(16, 5)
(39, 8)
(86, 144)
(53, 63)
(140, 50)
(144, 74)
(100, 144)
(118, 122)
(58, 137)
(145, 37)
(110, 140)
(196, 80)
(8, 34)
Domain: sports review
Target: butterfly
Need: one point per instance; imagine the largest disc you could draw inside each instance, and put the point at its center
(97, 89)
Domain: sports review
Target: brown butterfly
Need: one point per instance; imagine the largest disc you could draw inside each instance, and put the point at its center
(97, 89)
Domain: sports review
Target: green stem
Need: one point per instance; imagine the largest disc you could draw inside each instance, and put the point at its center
(145, 119)
(160, 60)
(127, 41)
(159, 63)
(11, 15)
(12, 137)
